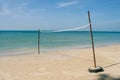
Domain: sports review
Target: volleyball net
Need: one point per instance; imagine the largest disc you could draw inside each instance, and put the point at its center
(73, 29)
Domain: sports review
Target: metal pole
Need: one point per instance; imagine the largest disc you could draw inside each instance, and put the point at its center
(38, 41)
(91, 34)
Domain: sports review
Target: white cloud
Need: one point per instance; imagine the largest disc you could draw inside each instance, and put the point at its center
(60, 5)
(16, 10)
(11, 10)
(21, 11)
(4, 10)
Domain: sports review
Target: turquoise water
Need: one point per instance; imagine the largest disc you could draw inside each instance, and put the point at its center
(77, 39)
(17, 41)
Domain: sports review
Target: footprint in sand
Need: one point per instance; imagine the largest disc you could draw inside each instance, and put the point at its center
(73, 73)
(5, 76)
(41, 72)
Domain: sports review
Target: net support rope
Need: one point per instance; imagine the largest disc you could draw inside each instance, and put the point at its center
(72, 29)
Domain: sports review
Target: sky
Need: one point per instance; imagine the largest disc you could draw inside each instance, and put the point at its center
(59, 14)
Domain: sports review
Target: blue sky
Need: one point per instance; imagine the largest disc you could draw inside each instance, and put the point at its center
(59, 14)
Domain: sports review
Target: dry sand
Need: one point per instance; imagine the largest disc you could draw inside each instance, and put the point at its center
(62, 65)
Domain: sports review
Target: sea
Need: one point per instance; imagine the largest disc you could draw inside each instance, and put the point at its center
(16, 42)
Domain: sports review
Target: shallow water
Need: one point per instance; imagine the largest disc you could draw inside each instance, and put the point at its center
(25, 41)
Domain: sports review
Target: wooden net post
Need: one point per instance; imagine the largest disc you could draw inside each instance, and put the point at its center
(92, 40)
(38, 41)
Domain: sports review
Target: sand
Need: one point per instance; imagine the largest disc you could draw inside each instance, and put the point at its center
(62, 65)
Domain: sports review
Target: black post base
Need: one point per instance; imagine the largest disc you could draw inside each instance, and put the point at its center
(96, 70)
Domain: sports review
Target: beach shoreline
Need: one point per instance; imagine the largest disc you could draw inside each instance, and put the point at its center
(27, 51)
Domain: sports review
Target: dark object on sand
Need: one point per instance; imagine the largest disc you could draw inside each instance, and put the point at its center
(95, 70)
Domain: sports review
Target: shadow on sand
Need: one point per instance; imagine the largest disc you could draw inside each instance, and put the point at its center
(106, 77)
